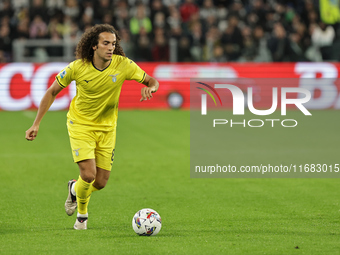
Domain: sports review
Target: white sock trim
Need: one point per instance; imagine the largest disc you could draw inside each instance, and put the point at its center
(72, 189)
(83, 215)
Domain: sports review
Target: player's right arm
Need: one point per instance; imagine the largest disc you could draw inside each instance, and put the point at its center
(45, 104)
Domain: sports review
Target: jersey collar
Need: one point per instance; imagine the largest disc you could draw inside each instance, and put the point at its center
(104, 68)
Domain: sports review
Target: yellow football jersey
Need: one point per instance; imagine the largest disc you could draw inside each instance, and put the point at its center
(96, 102)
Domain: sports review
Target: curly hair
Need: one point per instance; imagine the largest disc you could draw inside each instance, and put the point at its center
(90, 38)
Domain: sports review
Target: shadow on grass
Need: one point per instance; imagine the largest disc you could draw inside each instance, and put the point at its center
(7, 229)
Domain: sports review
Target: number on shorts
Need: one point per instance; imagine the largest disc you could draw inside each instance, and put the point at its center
(113, 155)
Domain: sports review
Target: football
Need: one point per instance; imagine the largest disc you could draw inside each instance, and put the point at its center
(146, 222)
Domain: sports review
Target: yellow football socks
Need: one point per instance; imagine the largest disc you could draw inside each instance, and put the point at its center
(93, 188)
(83, 190)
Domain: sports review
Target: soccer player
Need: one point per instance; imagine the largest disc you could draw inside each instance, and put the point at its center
(99, 72)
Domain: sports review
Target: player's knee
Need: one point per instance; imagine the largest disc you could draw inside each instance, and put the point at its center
(88, 177)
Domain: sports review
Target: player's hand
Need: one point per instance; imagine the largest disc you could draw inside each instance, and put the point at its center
(147, 93)
(31, 133)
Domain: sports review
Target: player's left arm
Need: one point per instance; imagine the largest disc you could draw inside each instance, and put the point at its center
(152, 86)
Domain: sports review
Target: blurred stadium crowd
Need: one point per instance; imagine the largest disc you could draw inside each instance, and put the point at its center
(200, 30)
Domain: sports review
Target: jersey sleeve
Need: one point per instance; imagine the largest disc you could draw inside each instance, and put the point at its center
(134, 72)
(66, 76)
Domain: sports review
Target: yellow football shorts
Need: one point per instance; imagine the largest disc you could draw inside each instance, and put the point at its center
(89, 144)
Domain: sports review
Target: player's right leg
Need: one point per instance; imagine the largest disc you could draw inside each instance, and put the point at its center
(83, 190)
(83, 144)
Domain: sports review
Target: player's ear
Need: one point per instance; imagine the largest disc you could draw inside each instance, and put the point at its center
(94, 47)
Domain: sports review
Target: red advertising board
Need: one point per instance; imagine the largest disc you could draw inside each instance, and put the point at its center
(22, 85)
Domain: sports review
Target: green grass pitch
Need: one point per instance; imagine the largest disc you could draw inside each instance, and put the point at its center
(151, 170)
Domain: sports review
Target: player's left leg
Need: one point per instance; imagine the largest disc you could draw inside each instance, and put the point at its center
(71, 200)
(102, 177)
(105, 152)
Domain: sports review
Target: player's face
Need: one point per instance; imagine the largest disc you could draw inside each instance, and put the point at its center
(106, 46)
